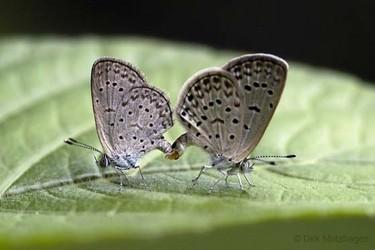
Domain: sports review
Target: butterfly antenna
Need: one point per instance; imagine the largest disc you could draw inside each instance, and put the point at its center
(259, 158)
(74, 142)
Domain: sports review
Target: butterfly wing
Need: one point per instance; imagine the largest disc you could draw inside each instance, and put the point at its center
(209, 108)
(140, 121)
(111, 80)
(261, 78)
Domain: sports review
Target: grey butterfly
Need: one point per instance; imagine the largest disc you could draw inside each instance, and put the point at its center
(226, 111)
(130, 115)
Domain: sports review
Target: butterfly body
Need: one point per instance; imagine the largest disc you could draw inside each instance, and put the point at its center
(130, 115)
(123, 161)
(227, 109)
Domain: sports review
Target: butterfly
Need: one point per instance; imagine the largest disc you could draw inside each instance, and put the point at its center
(130, 115)
(227, 109)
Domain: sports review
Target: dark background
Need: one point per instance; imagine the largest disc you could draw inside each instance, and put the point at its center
(336, 34)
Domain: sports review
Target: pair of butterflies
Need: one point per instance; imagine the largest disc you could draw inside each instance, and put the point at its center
(225, 111)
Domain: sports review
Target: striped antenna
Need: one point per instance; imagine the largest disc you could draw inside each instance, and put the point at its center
(74, 142)
(259, 158)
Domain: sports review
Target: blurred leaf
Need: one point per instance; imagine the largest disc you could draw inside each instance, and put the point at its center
(54, 196)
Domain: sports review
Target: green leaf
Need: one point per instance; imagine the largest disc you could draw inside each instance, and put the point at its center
(54, 196)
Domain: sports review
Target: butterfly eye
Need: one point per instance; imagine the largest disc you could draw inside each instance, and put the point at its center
(230, 160)
(243, 167)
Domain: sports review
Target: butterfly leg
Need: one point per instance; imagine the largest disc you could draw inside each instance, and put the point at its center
(225, 176)
(248, 181)
(195, 180)
(140, 172)
(226, 180)
(240, 182)
(122, 176)
(214, 185)
(143, 179)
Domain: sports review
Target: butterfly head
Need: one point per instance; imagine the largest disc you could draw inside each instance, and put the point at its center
(246, 166)
(103, 161)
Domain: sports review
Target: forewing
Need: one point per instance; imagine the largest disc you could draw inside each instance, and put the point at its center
(209, 108)
(141, 119)
(111, 80)
(262, 79)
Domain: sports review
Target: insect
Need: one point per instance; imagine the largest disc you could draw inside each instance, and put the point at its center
(226, 110)
(130, 115)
